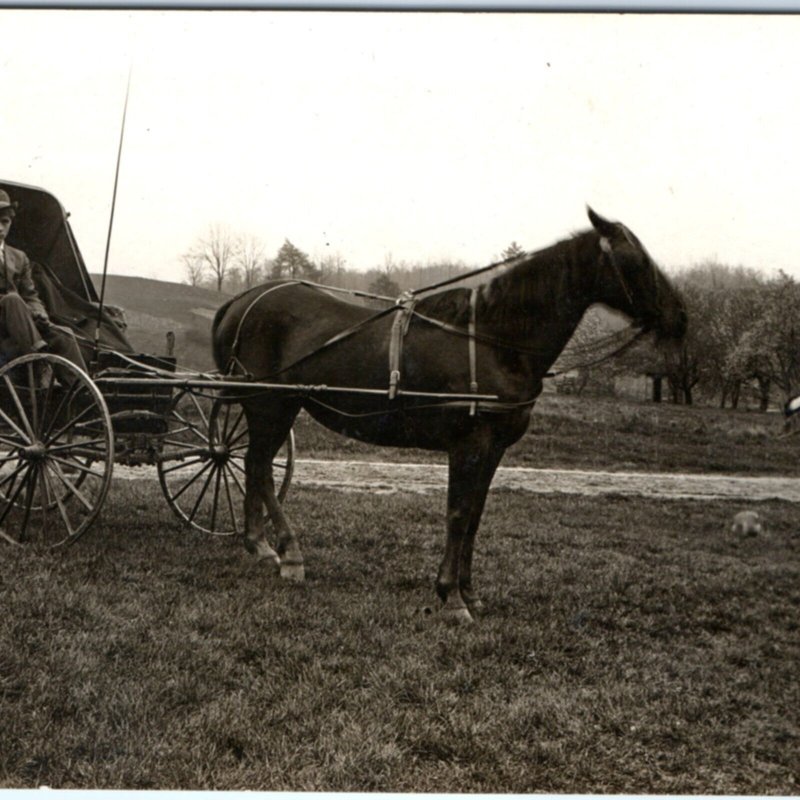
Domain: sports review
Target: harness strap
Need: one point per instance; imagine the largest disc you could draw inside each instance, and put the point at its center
(473, 358)
(233, 360)
(402, 319)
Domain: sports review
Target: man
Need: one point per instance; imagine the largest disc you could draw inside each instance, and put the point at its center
(25, 326)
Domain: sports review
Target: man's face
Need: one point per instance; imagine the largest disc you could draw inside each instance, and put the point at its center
(5, 224)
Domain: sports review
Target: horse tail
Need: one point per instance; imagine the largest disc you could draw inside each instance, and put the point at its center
(218, 346)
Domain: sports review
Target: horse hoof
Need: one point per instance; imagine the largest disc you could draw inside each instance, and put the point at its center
(475, 605)
(263, 552)
(457, 616)
(293, 572)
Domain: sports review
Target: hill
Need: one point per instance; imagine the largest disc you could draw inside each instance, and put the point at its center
(152, 308)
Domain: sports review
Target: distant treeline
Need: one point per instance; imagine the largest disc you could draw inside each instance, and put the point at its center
(227, 263)
(743, 336)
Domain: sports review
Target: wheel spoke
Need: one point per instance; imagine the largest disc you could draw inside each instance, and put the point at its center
(174, 431)
(82, 445)
(235, 478)
(29, 493)
(15, 493)
(65, 400)
(237, 465)
(10, 422)
(221, 421)
(190, 427)
(86, 470)
(12, 476)
(74, 490)
(187, 452)
(32, 391)
(196, 476)
(73, 422)
(240, 437)
(201, 495)
(230, 435)
(20, 409)
(182, 465)
(62, 510)
(200, 430)
(216, 498)
(10, 456)
(230, 500)
(180, 443)
(200, 409)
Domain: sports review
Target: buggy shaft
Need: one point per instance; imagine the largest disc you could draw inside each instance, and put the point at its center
(220, 383)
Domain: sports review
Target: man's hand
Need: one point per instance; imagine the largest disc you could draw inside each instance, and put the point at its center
(42, 322)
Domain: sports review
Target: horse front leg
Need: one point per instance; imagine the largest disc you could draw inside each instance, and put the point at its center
(471, 469)
(256, 470)
(476, 513)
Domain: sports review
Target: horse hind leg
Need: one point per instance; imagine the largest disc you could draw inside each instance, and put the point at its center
(255, 538)
(268, 430)
(292, 566)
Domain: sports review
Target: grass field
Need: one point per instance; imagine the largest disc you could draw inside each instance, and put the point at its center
(628, 645)
(609, 434)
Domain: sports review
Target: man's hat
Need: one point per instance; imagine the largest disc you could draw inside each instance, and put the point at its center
(5, 201)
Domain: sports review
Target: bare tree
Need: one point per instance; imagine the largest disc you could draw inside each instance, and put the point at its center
(250, 260)
(332, 269)
(195, 269)
(216, 251)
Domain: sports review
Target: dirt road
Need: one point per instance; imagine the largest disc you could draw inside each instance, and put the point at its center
(393, 477)
(387, 477)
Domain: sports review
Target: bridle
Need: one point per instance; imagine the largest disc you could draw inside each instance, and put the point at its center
(607, 251)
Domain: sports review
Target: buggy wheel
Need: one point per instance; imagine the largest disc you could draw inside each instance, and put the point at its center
(201, 467)
(56, 451)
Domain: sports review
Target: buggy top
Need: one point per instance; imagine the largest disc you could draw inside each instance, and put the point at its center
(41, 228)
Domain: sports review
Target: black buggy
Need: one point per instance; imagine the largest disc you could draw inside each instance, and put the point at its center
(60, 437)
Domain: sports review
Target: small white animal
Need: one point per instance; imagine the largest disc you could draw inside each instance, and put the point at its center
(747, 523)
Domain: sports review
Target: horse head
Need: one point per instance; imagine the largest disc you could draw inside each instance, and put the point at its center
(632, 283)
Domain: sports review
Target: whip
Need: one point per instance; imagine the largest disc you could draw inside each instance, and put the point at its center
(111, 219)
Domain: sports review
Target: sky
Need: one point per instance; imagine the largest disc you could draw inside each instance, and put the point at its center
(407, 137)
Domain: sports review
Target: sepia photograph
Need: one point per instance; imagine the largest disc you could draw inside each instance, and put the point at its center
(399, 401)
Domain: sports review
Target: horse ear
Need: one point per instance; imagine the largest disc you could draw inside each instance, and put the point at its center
(600, 224)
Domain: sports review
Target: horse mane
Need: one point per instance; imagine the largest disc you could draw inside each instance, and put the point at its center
(525, 282)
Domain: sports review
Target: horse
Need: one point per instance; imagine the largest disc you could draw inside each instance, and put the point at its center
(499, 339)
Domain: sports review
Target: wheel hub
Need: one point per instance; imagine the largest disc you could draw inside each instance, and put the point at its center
(220, 453)
(34, 452)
